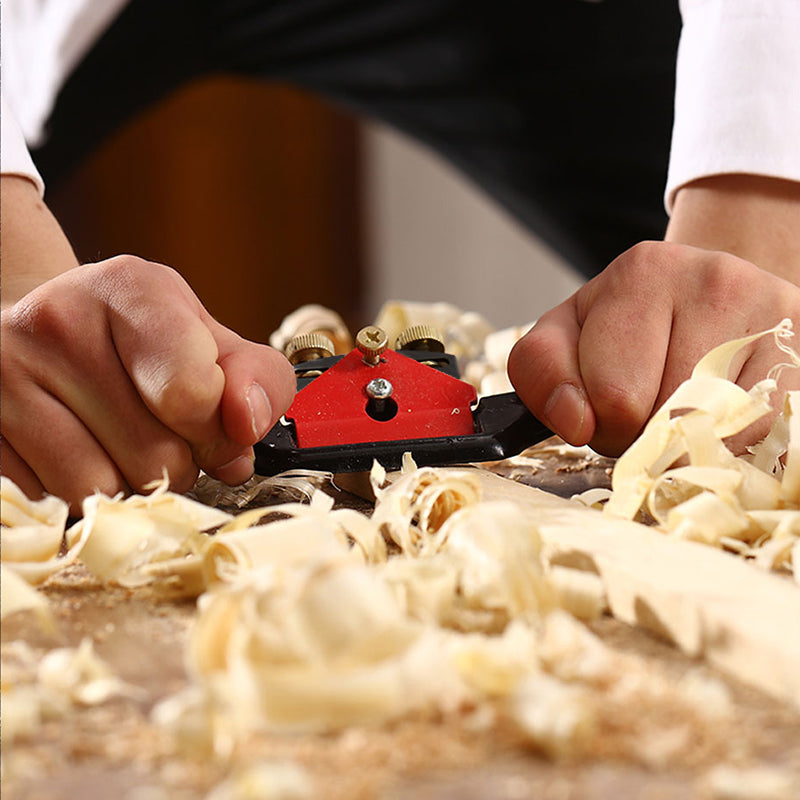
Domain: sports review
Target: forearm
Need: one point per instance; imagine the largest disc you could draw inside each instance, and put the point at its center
(33, 248)
(750, 216)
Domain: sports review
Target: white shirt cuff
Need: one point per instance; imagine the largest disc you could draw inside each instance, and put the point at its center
(14, 156)
(737, 98)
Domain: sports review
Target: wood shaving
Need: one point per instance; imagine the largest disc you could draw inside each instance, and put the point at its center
(464, 613)
(579, 592)
(313, 319)
(487, 372)
(123, 537)
(719, 499)
(464, 332)
(295, 484)
(16, 594)
(32, 534)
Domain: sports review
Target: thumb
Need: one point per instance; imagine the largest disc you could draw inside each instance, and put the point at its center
(259, 385)
(544, 369)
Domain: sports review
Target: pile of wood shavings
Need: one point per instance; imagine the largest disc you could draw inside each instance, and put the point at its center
(315, 627)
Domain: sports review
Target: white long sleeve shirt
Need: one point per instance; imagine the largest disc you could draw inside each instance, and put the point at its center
(737, 99)
(42, 42)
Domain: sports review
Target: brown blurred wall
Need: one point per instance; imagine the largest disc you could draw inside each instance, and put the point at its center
(250, 190)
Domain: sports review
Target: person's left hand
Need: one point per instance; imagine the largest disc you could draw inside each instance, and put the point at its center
(595, 368)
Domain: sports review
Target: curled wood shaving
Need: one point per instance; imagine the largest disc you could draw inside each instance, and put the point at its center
(80, 675)
(309, 533)
(487, 372)
(160, 536)
(494, 549)
(123, 537)
(750, 503)
(464, 331)
(17, 511)
(32, 534)
(593, 498)
(311, 319)
(318, 647)
(579, 592)
(295, 484)
(559, 718)
(16, 594)
(412, 511)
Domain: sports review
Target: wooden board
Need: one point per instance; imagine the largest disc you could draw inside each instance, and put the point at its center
(712, 604)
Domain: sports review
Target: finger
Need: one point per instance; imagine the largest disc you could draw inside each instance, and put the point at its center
(727, 298)
(625, 339)
(45, 355)
(259, 385)
(544, 369)
(110, 408)
(762, 359)
(68, 461)
(171, 357)
(13, 467)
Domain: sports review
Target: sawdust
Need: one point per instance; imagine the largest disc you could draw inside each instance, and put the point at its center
(115, 749)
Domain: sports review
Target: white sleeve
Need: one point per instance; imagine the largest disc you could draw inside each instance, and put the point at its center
(14, 155)
(737, 96)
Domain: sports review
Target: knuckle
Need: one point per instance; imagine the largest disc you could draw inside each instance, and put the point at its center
(48, 318)
(726, 281)
(646, 251)
(124, 267)
(106, 481)
(620, 404)
(119, 276)
(180, 395)
(644, 262)
(126, 278)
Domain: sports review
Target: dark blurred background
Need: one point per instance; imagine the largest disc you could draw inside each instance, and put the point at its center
(250, 189)
(267, 198)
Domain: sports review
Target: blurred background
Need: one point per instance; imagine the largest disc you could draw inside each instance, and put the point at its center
(267, 198)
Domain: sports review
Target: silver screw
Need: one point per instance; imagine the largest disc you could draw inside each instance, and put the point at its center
(379, 389)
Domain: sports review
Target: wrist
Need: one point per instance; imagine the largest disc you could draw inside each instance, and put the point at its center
(754, 217)
(33, 248)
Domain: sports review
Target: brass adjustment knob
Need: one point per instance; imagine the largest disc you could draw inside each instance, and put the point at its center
(421, 337)
(308, 347)
(371, 342)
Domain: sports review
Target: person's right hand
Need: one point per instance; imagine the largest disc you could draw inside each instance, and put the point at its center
(113, 371)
